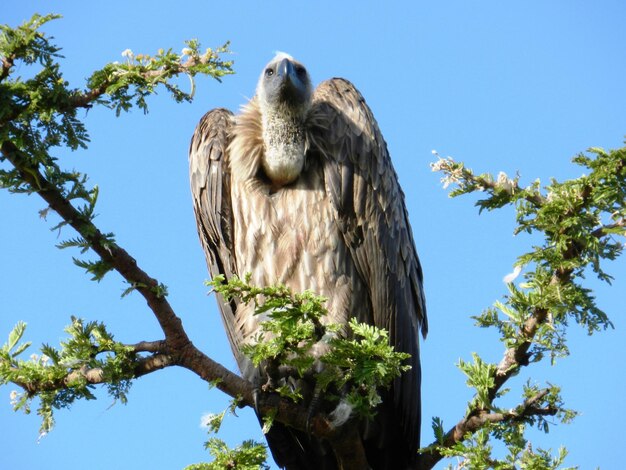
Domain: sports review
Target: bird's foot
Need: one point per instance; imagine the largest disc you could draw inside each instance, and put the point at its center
(256, 392)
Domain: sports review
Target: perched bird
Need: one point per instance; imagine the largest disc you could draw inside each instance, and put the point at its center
(299, 189)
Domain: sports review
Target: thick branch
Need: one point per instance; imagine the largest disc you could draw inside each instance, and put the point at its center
(232, 384)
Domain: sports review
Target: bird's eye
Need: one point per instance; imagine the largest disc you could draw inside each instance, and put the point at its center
(301, 71)
(269, 72)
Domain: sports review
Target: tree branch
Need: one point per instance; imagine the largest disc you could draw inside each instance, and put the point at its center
(478, 419)
(180, 350)
(94, 376)
(513, 359)
(177, 344)
(85, 98)
(601, 231)
(150, 346)
(517, 357)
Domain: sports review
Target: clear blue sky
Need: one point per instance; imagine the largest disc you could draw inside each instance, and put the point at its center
(511, 86)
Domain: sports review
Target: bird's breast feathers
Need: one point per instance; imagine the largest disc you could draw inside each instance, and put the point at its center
(289, 236)
(283, 162)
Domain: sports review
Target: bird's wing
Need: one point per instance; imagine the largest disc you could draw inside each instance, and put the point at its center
(210, 189)
(211, 193)
(373, 220)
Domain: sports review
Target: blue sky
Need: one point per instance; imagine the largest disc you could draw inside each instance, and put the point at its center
(503, 86)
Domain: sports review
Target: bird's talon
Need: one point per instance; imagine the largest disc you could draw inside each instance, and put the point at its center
(255, 400)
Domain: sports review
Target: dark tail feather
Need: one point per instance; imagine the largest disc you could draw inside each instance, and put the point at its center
(295, 450)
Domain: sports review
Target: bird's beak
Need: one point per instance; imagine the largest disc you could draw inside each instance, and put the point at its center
(285, 70)
(289, 86)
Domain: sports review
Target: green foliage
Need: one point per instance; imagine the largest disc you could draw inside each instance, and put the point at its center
(549, 399)
(359, 361)
(293, 325)
(9, 350)
(476, 450)
(58, 377)
(480, 376)
(38, 114)
(365, 363)
(581, 221)
(438, 430)
(268, 421)
(137, 77)
(213, 422)
(250, 455)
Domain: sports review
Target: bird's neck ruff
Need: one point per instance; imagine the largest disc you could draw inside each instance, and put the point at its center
(284, 143)
(272, 142)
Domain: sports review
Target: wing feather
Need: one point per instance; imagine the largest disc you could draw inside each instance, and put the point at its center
(210, 177)
(210, 190)
(374, 223)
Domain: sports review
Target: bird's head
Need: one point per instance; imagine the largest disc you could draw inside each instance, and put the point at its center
(285, 84)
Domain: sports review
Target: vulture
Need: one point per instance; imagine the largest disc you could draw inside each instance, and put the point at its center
(299, 189)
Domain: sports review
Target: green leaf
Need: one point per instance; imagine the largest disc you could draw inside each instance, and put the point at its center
(21, 348)
(437, 425)
(15, 336)
(268, 421)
